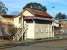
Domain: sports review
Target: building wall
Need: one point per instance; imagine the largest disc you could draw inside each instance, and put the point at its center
(37, 31)
(43, 31)
(64, 24)
(27, 13)
(17, 22)
(7, 20)
(30, 31)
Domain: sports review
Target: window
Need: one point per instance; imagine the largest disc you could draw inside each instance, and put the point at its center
(42, 21)
(29, 21)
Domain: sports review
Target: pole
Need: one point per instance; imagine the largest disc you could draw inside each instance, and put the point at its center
(53, 27)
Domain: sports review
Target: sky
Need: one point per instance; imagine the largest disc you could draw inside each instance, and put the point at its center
(53, 6)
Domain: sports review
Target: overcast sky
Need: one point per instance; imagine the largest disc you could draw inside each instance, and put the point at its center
(53, 6)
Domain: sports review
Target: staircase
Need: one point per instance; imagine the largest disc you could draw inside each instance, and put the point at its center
(20, 33)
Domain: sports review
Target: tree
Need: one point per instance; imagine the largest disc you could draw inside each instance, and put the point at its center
(60, 16)
(3, 9)
(35, 6)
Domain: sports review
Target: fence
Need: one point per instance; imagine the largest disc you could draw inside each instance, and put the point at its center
(7, 30)
(10, 32)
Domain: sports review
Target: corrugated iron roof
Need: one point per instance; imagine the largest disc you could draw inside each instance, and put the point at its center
(38, 13)
(8, 16)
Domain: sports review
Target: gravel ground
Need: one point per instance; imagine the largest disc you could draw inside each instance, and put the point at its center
(48, 45)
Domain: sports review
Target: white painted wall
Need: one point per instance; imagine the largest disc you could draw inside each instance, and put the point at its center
(55, 24)
(43, 31)
(30, 31)
(50, 31)
(27, 13)
(36, 31)
(16, 22)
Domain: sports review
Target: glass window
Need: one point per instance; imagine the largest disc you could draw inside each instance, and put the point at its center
(29, 21)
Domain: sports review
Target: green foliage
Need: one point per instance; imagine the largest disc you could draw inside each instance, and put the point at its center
(36, 6)
(60, 16)
(3, 9)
